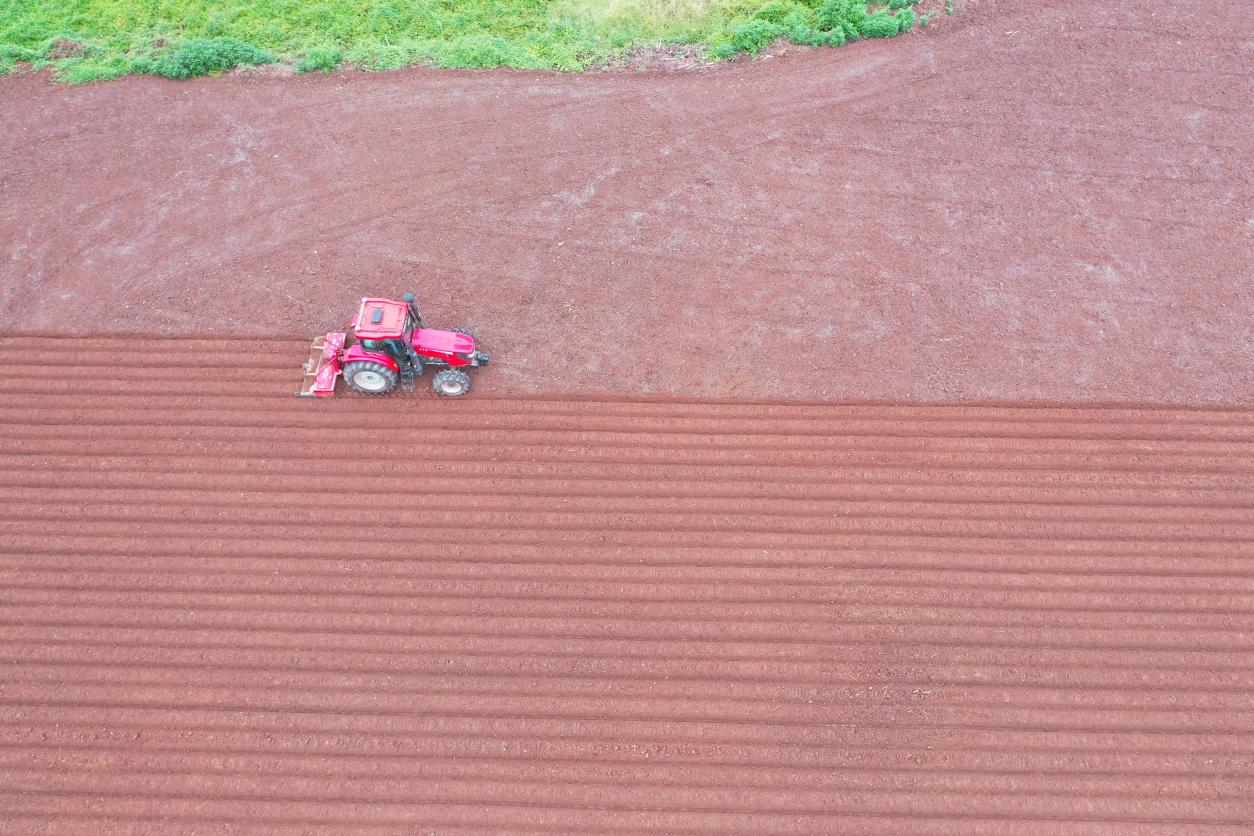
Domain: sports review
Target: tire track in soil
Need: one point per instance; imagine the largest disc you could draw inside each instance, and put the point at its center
(223, 605)
(1025, 203)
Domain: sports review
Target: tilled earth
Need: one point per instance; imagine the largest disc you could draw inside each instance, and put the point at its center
(704, 551)
(224, 605)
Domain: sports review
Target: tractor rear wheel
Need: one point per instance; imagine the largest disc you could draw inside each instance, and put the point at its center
(451, 383)
(370, 378)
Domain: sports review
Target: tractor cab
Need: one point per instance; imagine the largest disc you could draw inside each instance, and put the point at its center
(386, 326)
(382, 319)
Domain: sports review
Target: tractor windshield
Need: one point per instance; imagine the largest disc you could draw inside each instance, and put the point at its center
(390, 347)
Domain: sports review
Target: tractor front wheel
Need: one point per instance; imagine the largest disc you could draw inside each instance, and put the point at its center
(370, 378)
(451, 383)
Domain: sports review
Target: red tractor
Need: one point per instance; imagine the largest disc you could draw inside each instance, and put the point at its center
(392, 347)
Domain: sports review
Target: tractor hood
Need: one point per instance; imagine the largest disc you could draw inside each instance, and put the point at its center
(443, 342)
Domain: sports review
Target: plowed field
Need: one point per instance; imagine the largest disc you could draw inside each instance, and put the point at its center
(223, 605)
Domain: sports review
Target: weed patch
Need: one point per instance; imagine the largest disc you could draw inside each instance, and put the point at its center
(751, 37)
(320, 58)
(207, 56)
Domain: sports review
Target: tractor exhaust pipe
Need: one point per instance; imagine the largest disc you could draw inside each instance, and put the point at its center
(413, 308)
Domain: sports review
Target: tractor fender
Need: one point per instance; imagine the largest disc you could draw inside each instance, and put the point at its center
(356, 353)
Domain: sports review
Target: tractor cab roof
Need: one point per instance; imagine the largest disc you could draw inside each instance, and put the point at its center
(380, 319)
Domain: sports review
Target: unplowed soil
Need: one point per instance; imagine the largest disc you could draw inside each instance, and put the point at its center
(227, 606)
(1045, 201)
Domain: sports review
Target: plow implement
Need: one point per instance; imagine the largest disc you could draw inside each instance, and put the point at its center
(323, 366)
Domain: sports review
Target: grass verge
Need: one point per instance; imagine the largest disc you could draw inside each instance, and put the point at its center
(87, 40)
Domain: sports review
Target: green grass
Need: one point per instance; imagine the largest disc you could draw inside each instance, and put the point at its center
(86, 40)
(325, 58)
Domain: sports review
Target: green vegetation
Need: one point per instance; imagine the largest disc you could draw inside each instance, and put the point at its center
(85, 40)
(200, 56)
(752, 37)
(325, 58)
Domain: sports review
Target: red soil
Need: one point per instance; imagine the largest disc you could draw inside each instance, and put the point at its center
(1044, 201)
(224, 606)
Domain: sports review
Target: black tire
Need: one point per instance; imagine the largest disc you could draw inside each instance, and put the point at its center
(451, 383)
(370, 378)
